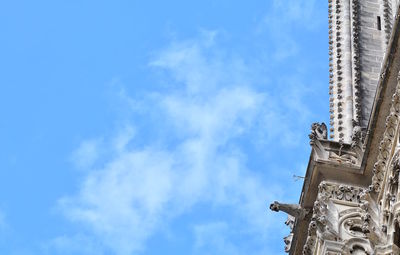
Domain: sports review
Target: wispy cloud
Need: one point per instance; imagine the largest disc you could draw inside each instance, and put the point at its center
(87, 153)
(296, 12)
(79, 245)
(210, 112)
(213, 238)
(284, 19)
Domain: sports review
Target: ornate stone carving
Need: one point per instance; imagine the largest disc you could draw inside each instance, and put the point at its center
(387, 142)
(288, 242)
(341, 192)
(352, 154)
(331, 74)
(357, 137)
(350, 158)
(353, 227)
(290, 222)
(387, 15)
(365, 217)
(339, 72)
(288, 239)
(322, 224)
(308, 248)
(356, 63)
(318, 131)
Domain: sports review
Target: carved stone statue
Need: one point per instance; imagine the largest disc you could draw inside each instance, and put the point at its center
(318, 131)
(357, 137)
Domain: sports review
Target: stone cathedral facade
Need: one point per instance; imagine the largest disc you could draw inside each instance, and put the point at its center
(350, 200)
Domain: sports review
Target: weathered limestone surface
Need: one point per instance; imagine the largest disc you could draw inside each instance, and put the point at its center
(350, 201)
(359, 31)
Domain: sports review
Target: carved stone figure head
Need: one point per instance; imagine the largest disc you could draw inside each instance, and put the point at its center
(274, 206)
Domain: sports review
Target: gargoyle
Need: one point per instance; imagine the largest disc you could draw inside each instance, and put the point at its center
(294, 210)
(318, 131)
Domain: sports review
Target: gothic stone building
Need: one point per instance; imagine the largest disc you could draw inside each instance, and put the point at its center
(350, 200)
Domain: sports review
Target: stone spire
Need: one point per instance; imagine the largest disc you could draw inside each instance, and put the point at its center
(359, 31)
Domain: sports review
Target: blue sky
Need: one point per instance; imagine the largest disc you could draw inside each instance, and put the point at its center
(156, 127)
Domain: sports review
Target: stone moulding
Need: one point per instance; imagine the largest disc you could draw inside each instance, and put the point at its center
(331, 75)
(387, 15)
(356, 63)
(339, 72)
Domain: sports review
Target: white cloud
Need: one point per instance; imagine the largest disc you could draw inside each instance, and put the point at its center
(286, 17)
(87, 153)
(139, 190)
(296, 11)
